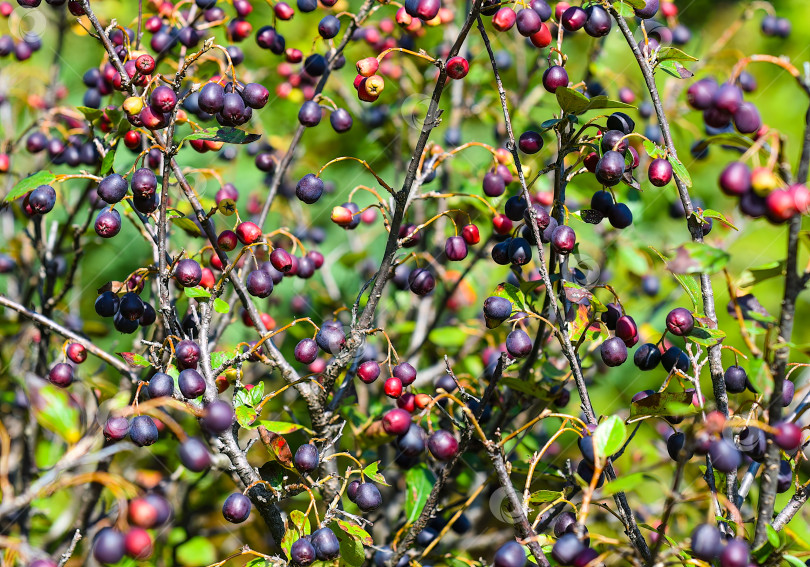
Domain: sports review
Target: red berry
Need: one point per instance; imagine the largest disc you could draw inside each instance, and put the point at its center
(470, 234)
(248, 232)
(457, 67)
(393, 387)
(502, 224)
(76, 353)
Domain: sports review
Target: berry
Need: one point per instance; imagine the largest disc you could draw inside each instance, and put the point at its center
(42, 199)
(470, 234)
(396, 421)
(554, 77)
(191, 383)
(255, 95)
(61, 375)
(519, 251)
(574, 18)
(368, 497)
(259, 283)
(368, 371)
(457, 67)
(610, 168)
(518, 344)
(405, 373)
(138, 543)
(160, 385)
(108, 223)
(566, 548)
(455, 248)
(421, 281)
(188, 273)
(325, 543)
(302, 552)
(510, 554)
(116, 428)
(737, 553)
(108, 546)
(306, 458)
(706, 542)
(236, 508)
(563, 239)
(496, 310)
(674, 357)
(493, 185)
(736, 379)
(393, 387)
(620, 216)
(613, 351)
(598, 23)
(330, 338)
(442, 445)
(680, 322)
(194, 455)
(412, 443)
(788, 435)
(341, 120)
(725, 456)
(659, 172)
(248, 232)
(647, 357)
(310, 114)
(504, 19)
(306, 351)
(187, 354)
(143, 431)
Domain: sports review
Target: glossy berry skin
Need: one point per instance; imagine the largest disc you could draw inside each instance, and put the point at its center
(138, 543)
(187, 353)
(519, 251)
(108, 547)
(680, 322)
(613, 351)
(574, 18)
(598, 23)
(504, 19)
(788, 435)
(706, 542)
(341, 120)
(753, 443)
(510, 554)
(191, 383)
(518, 344)
(496, 310)
(396, 421)
(306, 351)
(674, 357)
(306, 458)
(412, 443)
(736, 379)
(160, 385)
(457, 67)
(554, 77)
(421, 281)
(610, 168)
(566, 549)
(455, 248)
(143, 431)
(620, 216)
(116, 428)
(541, 38)
(368, 497)
(647, 357)
(330, 338)
(368, 371)
(470, 234)
(530, 142)
(393, 387)
(563, 239)
(112, 188)
(736, 554)
(310, 114)
(248, 232)
(675, 445)
(255, 95)
(42, 199)
(648, 11)
(219, 416)
(493, 185)
(405, 373)
(325, 543)
(725, 456)
(61, 375)
(194, 455)
(302, 552)
(442, 445)
(660, 172)
(259, 283)
(236, 508)
(188, 273)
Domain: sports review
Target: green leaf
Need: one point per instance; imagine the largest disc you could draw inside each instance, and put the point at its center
(291, 535)
(355, 531)
(773, 535)
(107, 162)
(697, 258)
(419, 482)
(221, 306)
(186, 224)
(513, 294)
(448, 336)
(280, 427)
(91, 114)
(673, 53)
(653, 150)
(712, 214)
(372, 471)
(675, 69)
(624, 483)
(661, 404)
(196, 292)
(609, 436)
(633, 259)
(55, 411)
(679, 170)
(688, 283)
(525, 387)
(134, 360)
(543, 496)
(352, 552)
(794, 561)
(550, 123)
(759, 374)
(571, 101)
(256, 394)
(301, 522)
(30, 183)
(196, 552)
(601, 101)
(245, 415)
(624, 9)
(219, 358)
(228, 135)
(752, 276)
(706, 337)
(632, 3)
